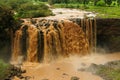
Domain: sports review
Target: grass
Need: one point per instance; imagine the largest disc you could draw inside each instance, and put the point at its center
(109, 73)
(105, 12)
(102, 12)
(71, 5)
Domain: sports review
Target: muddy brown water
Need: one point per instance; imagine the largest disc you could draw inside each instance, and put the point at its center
(64, 69)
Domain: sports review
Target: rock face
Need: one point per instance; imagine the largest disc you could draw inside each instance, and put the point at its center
(108, 34)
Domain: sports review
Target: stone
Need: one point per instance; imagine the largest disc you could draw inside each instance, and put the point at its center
(74, 78)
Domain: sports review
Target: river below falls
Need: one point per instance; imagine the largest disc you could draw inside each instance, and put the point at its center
(65, 68)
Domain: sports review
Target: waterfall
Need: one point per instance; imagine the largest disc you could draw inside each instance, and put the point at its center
(42, 40)
(88, 26)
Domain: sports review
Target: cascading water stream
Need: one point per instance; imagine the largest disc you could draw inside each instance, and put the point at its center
(46, 40)
(88, 26)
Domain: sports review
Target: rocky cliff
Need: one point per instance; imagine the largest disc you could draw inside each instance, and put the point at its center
(108, 34)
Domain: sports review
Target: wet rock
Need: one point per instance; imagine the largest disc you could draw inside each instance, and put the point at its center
(75, 78)
(94, 68)
(15, 72)
(65, 74)
(113, 64)
(58, 68)
(83, 64)
(81, 69)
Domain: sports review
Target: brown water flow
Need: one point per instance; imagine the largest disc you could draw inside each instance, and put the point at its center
(41, 40)
(88, 25)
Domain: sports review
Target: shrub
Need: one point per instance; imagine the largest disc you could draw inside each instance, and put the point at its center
(33, 10)
(4, 72)
(14, 4)
(27, 8)
(118, 2)
(6, 16)
(101, 3)
(108, 2)
(70, 6)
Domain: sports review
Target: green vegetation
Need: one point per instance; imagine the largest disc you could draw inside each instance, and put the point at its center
(26, 8)
(33, 10)
(103, 8)
(38, 8)
(105, 12)
(8, 71)
(6, 18)
(100, 3)
(110, 71)
(108, 2)
(3, 70)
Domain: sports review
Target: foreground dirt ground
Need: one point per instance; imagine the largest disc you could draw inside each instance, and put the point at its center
(65, 69)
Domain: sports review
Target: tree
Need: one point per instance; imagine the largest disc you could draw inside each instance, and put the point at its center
(7, 21)
(66, 1)
(101, 3)
(79, 1)
(6, 18)
(95, 2)
(108, 2)
(85, 2)
(57, 1)
(43, 0)
(118, 2)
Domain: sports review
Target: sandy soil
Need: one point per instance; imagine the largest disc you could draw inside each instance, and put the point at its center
(65, 68)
